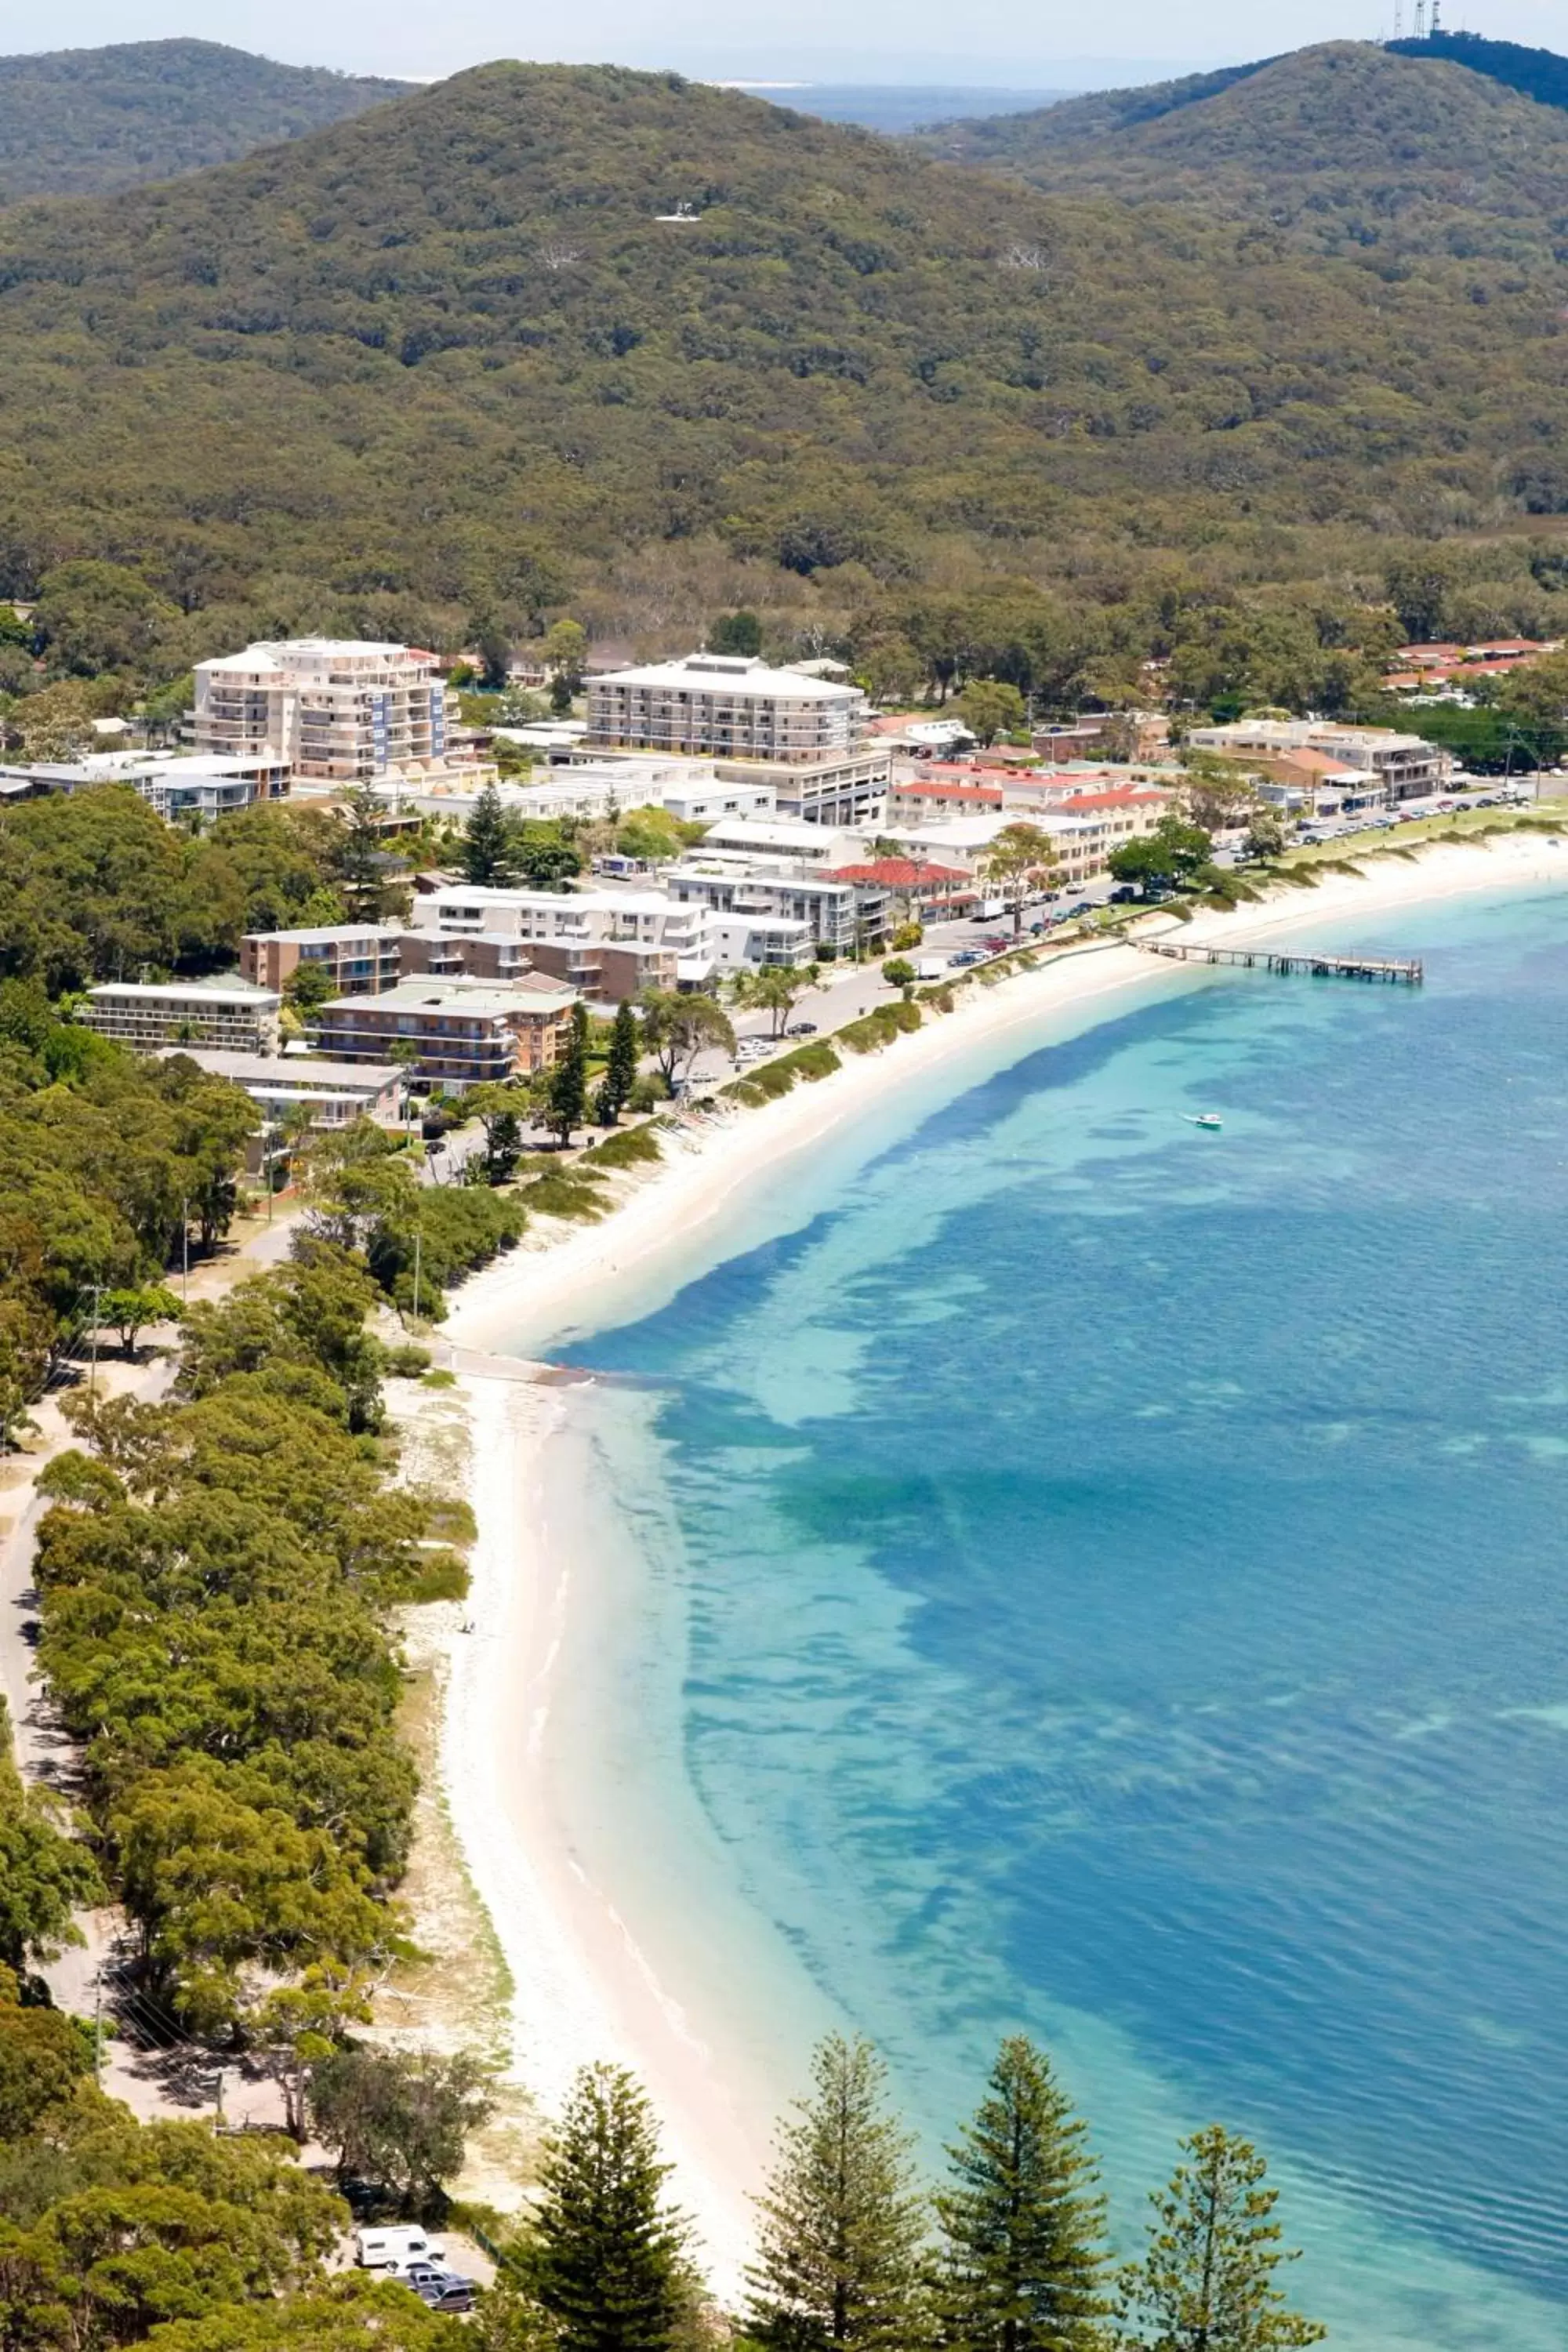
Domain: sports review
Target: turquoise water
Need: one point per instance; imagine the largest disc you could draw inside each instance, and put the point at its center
(1122, 1577)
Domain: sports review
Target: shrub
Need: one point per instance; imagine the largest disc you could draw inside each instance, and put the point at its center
(438, 1380)
(576, 1192)
(875, 1030)
(443, 1577)
(407, 1361)
(626, 1149)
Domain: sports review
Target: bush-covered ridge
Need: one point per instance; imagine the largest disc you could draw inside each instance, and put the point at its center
(1540, 74)
(448, 361)
(91, 121)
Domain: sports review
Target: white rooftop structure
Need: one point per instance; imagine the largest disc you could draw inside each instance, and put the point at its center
(334, 1093)
(347, 710)
(726, 707)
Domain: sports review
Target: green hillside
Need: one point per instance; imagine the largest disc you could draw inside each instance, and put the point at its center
(1343, 148)
(90, 122)
(449, 362)
(1540, 74)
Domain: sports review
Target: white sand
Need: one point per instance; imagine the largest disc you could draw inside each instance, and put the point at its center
(584, 1989)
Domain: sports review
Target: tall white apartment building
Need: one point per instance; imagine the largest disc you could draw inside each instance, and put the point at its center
(342, 710)
(724, 706)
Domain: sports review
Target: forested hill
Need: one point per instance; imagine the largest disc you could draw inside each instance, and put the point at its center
(1341, 147)
(449, 359)
(89, 122)
(1540, 74)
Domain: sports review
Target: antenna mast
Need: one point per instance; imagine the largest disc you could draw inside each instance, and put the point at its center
(1399, 19)
(1433, 29)
(1421, 19)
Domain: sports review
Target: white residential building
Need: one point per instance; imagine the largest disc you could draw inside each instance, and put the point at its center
(345, 711)
(689, 789)
(148, 1013)
(747, 943)
(783, 844)
(179, 788)
(725, 706)
(608, 944)
(826, 913)
(1407, 766)
(330, 1094)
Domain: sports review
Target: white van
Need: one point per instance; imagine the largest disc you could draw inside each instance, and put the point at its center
(394, 2250)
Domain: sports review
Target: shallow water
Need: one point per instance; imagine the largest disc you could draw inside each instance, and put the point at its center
(1122, 1575)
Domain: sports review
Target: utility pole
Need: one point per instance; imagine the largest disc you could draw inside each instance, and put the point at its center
(185, 1252)
(92, 1376)
(98, 2025)
(418, 1237)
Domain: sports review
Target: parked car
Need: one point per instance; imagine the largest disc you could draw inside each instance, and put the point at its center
(801, 1029)
(432, 2277)
(1124, 894)
(461, 2296)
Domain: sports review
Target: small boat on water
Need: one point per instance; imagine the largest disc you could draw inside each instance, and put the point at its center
(1204, 1118)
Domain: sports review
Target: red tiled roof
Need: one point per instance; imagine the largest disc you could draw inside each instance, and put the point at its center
(1121, 796)
(938, 788)
(900, 874)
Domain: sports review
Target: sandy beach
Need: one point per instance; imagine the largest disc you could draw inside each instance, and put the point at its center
(585, 1987)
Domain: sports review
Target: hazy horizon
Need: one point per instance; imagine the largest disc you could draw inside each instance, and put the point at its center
(887, 42)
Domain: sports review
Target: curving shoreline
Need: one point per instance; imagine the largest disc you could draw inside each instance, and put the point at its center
(586, 1985)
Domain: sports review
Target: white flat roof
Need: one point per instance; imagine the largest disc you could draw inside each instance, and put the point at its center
(482, 894)
(728, 673)
(203, 991)
(267, 1069)
(321, 932)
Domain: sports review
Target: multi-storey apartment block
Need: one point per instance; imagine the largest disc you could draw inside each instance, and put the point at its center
(359, 958)
(827, 912)
(344, 711)
(463, 1031)
(607, 943)
(724, 706)
(147, 1014)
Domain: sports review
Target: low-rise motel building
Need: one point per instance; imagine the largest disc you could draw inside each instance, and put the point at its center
(464, 1030)
(224, 1011)
(288, 1086)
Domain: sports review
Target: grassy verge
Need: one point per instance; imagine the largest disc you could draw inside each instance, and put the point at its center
(879, 1028)
(774, 1079)
(629, 1146)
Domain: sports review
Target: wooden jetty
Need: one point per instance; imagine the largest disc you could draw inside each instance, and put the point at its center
(1399, 970)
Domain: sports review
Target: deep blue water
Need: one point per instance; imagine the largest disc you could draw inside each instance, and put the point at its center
(1125, 1567)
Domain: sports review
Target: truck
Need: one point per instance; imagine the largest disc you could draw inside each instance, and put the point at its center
(931, 968)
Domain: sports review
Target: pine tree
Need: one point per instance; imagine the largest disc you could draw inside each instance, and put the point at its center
(839, 2246)
(621, 1068)
(568, 1079)
(605, 2256)
(488, 855)
(361, 855)
(1207, 2284)
(1022, 2261)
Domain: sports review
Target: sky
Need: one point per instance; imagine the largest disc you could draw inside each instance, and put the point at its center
(810, 40)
